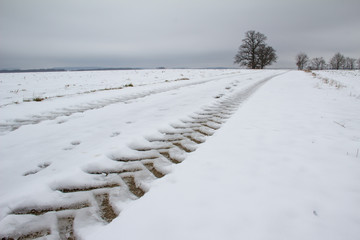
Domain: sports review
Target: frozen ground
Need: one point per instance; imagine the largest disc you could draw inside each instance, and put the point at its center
(277, 155)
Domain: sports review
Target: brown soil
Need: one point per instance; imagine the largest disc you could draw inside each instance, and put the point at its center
(167, 156)
(106, 210)
(153, 170)
(133, 159)
(203, 132)
(66, 227)
(130, 181)
(194, 140)
(114, 171)
(182, 147)
(212, 127)
(87, 188)
(40, 211)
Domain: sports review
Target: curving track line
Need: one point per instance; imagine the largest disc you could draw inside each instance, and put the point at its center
(14, 124)
(147, 163)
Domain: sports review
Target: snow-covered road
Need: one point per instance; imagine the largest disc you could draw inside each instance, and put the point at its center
(72, 162)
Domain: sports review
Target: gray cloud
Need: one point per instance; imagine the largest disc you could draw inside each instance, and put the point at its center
(175, 33)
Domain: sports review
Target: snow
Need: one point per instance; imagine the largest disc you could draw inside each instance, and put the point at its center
(285, 165)
(348, 81)
(280, 168)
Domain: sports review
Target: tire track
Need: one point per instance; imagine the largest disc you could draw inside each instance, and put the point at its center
(129, 179)
(12, 125)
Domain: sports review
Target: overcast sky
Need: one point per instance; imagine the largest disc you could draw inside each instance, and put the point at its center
(170, 33)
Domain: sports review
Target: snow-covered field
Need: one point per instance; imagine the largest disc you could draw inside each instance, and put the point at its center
(111, 154)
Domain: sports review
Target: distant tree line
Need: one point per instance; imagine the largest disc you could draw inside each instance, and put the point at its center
(338, 61)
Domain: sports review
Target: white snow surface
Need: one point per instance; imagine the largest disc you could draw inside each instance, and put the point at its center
(285, 165)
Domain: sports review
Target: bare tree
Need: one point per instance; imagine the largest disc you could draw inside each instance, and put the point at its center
(253, 52)
(267, 56)
(349, 63)
(318, 63)
(337, 61)
(358, 63)
(301, 60)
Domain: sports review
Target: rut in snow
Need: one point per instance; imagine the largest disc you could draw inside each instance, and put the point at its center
(147, 162)
(12, 125)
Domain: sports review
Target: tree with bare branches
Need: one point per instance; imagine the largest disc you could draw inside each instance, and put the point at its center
(337, 61)
(349, 63)
(301, 60)
(254, 53)
(267, 55)
(318, 63)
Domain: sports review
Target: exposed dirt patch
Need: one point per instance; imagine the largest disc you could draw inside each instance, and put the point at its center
(212, 127)
(41, 166)
(114, 171)
(134, 159)
(87, 188)
(42, 210)
(37, 234)
(197, 141)
(182, 147)
(215, 121)
(66, 227)
(130, 182)
(203, 132)
(153, 170)
(167, 156)
(168, 138)
(106, 210)
(146, 149)
(75, 143)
